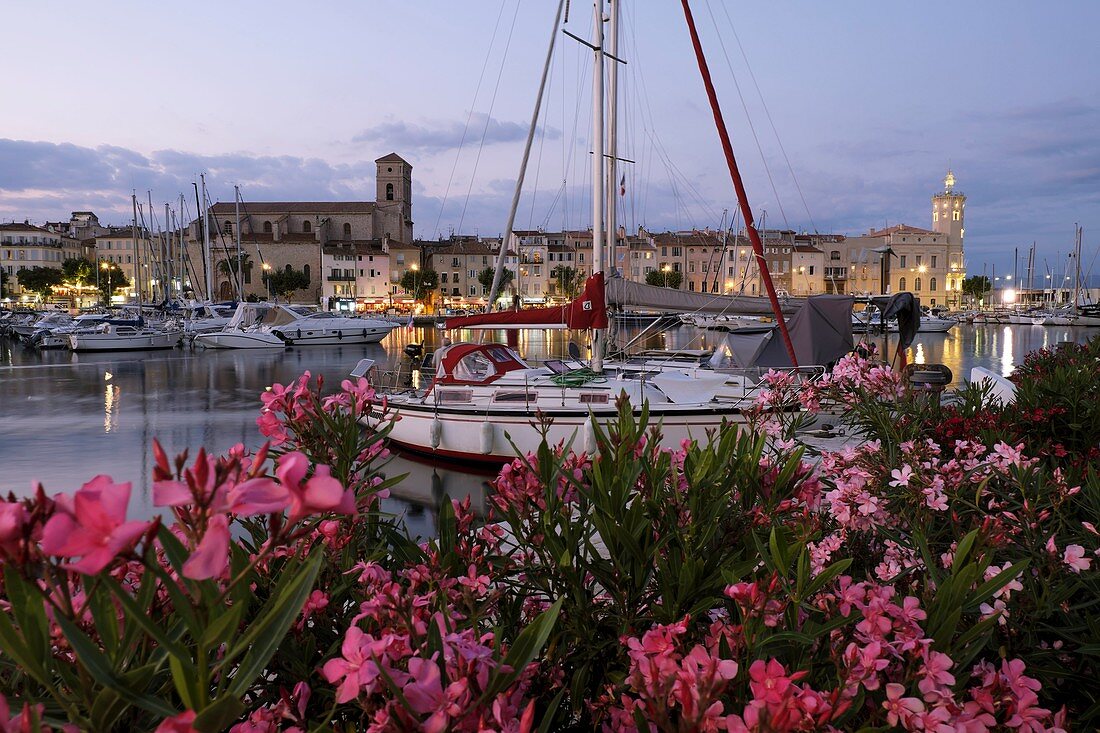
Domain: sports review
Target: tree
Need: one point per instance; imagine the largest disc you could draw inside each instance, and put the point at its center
(110, 280)
(79, 271)
(228, 268)
(285, 282)
(39, 279)
(419, 282)
(665, 278)
(976, 287)
(568, 279)
(485, 277)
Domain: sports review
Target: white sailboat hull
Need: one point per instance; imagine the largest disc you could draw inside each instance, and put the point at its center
(477, 435)
(298, 335)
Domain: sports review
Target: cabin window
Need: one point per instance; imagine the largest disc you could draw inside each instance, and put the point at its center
(513, 397)
(452, 396)
(307, 227)
(593, 398)
(267, 227)
(389, 192)
(347, 231)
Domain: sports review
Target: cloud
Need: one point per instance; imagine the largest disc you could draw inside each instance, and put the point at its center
(440, 135)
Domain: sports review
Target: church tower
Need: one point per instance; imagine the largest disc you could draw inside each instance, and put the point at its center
(393, 205)
(949, 217)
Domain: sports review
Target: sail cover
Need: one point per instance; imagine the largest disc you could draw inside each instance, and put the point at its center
(821, 332)
(589, 310)
(626, 294)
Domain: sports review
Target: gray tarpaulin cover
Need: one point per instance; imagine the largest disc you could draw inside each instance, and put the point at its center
(623, 293)
(902, 306)
(821, 332)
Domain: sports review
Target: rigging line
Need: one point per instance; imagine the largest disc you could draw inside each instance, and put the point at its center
(771, 122)
(745, 106)
(666, 159)
(469, 117)
(542, 142)
(488, 118)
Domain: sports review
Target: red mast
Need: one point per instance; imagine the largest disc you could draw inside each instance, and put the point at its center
(742, 199)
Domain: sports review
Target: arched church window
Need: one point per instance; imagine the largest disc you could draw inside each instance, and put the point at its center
(389, 192)
(347, 231)
(307, 227)
(267, 227)
(901, 285)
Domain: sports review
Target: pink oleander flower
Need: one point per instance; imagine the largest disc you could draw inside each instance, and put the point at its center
(425, 694)
(253, 496)
(181, 723)
(901, 476)
(354, 669)
(768, 680)
(13, 520)
(210, 557)
(321, 493)
(1074, 557)
(92, 525)
(900, 709)
(23, 722)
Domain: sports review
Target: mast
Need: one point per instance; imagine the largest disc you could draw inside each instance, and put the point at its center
(154, 270)
(742, 198)
(137, 255)
(499, 269)
(611, 184)
(1076, 267)
(207, 255)
(600, 335)
(167, 239)
(237, 229)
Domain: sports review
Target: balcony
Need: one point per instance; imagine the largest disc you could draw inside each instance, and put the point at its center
(338, 278)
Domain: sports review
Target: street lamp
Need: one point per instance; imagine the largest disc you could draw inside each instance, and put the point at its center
(267, 276)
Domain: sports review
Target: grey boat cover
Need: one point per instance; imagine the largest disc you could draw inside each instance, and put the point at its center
(626, 294)
(821, 333)
(902, 306)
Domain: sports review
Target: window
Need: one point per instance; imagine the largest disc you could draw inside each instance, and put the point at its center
(933, 265)
(901, 284)
(835, 255)
(347, 231)
(676, 251)
(901, 261)
(932, 284)
(443, 277)
(227, 227)
(955, 215)
(916, 284)
(920, 260)
(935, 216)
(811, 269)
(307, 227)
(305, 271)
(267, 227)
(454, 262)
(389, 192)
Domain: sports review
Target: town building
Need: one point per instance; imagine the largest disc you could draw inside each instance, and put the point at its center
(121, 248)
(291, 235)
(24, 246)
(356, 276)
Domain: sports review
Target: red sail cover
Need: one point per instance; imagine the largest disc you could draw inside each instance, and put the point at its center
(589, 310)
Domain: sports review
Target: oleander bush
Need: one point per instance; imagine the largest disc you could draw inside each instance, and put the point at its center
(923, 580)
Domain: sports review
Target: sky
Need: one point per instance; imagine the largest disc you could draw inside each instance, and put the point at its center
(844, 115)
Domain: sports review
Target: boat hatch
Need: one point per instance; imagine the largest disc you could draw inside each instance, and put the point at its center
(454, 396)
(513, 396)
(593, 398)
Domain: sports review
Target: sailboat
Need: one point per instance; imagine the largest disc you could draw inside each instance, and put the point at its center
(482, 402)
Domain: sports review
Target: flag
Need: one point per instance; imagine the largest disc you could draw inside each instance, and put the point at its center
(409, 325)
(622, 185)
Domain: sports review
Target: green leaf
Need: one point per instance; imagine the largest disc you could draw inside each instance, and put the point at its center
(220, 629)
(95, 662)
(219, 714)
(551, 711)
(826, 576)
(185, 681)
(268, 631)
(136, 614)
(524, 649)
(28, 607)
(986, 590)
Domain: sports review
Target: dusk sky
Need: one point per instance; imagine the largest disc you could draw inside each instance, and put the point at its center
(872, 103)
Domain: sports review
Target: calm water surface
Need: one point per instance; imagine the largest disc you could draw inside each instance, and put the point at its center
(66, 417)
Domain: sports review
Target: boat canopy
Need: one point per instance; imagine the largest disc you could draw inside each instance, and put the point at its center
(589, 310)
(627, 294)
(467, 363)
(821, 332)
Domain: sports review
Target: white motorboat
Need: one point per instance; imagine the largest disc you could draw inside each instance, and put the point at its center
(249, 328)
(206, 317)
(113, 337)
(321, 328)
(726, 322)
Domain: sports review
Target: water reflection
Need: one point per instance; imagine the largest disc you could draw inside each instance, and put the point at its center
(66, 417)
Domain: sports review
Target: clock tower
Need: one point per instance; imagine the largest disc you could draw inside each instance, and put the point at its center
(949, 218)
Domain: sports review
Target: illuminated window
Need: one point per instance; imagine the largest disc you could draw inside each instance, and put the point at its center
(935, 216)
(916, 284)
(955, 215)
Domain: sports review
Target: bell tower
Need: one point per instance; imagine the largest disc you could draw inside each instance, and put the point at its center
(393, 205)
(949, 217)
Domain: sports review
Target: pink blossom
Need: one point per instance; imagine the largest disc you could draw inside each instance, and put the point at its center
(901, 477)
(211, 557)
(92, 526)
(425, 694)
(179, 724)
(354, 670)
(321, 493)
(768, 680)
(898, 708)
(23, 722)
(1074, 557)
(13, 520)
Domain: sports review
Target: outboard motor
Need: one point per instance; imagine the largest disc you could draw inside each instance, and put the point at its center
(414, 351)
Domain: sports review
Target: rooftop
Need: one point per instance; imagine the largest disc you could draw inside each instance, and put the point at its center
(226, 208)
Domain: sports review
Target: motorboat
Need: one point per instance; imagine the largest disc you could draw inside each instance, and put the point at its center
(249, 328)
(726, 322)
(207, 317)
(114, 337)
(321, 328)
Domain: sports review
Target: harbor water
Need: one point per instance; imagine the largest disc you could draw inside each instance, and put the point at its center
(66, 417)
